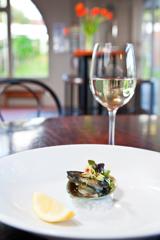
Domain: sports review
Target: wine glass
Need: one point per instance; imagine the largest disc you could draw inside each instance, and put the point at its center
(113, 78)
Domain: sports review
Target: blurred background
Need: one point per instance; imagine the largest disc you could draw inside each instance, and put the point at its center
(38, 39)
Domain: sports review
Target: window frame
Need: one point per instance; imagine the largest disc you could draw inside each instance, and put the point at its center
(152, 6)
(7, 11)
(10, 70)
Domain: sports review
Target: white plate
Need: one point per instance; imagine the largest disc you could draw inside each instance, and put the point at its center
(133, 212)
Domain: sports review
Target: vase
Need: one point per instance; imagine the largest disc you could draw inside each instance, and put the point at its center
(89, 41)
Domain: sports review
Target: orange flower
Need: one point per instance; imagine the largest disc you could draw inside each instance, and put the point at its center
(107, 14)
(104, 12)
(91, 18)
(80, 9)
(79, 6)
(66, 31)
(110, 16)
(95, 11)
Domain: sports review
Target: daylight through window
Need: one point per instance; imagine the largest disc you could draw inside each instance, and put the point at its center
(24, 43)
(150, 38)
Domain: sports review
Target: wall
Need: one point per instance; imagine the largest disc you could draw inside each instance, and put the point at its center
(56, 11)
(127, 13)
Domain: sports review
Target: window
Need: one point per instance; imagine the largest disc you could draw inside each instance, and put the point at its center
(24, 42)
(3, 45)
(3, 3)
(151, 40)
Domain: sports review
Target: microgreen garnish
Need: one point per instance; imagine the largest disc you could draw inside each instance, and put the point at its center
(95, 181)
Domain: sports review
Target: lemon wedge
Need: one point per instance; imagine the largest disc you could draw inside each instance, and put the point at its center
(49, 209)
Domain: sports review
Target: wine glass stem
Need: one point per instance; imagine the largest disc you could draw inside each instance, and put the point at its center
(112, 120)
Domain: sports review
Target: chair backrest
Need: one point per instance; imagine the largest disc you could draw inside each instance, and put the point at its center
(143, 99)
(30, 87)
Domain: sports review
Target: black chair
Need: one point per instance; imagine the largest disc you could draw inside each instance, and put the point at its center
(143, 100)
(72, 83)
(29, 85)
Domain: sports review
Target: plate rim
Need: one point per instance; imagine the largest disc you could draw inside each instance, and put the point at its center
(78, 145)
(70, 236)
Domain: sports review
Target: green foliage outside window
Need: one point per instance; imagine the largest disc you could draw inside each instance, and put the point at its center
(29, 61)
(29, 50)
(24, 47)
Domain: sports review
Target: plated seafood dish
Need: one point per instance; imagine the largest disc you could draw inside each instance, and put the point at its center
(94, 182)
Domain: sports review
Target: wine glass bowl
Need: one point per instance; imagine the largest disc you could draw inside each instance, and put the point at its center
(113, 79)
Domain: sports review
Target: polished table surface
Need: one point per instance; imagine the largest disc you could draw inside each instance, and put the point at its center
(142, 131)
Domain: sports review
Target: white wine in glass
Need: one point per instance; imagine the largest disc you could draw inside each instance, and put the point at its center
(113, 79)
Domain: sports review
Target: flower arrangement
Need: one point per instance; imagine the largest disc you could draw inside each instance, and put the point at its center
(91, 20)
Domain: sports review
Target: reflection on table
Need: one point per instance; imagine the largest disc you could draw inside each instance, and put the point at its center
(141, 131)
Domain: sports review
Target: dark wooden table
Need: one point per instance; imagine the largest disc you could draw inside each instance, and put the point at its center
(142, 131)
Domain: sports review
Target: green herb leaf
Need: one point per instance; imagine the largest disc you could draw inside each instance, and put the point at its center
(92, 163)
(106, 173)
